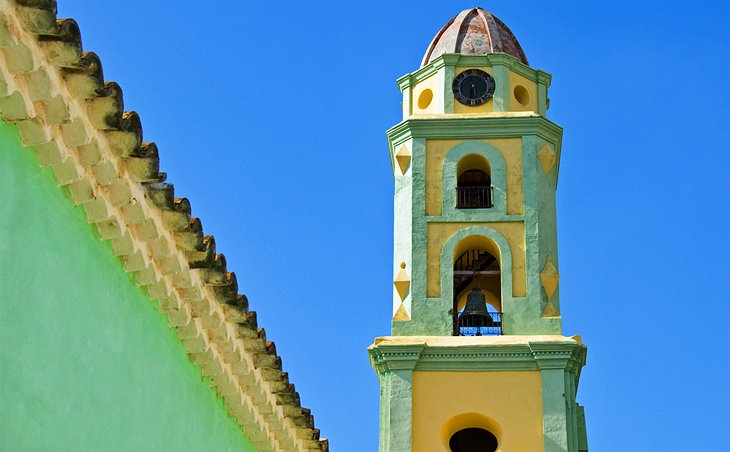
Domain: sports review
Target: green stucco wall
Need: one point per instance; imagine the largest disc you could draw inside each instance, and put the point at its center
(86, 360)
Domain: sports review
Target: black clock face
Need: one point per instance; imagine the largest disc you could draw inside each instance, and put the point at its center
(473, 87)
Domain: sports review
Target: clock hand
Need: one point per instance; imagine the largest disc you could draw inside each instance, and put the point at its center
(473, 90)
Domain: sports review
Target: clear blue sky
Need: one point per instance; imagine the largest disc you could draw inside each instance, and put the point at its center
(271, 119)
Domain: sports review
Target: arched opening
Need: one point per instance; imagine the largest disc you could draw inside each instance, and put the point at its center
(473, 440)
(474, 183)
(477, 308)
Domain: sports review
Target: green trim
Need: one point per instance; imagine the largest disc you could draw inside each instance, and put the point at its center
(466, 127)
(446, 271)
(492, 59)
(448, 89)
(396, 397)
(503, 93)
(476, 216)
(559, 375)
(538, 354)
(449, 177)
(397, 410)
(407, 104)
(542, 100)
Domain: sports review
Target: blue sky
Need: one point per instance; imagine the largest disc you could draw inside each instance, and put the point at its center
(270, 118)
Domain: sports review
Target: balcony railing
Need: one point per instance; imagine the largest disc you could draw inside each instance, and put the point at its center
(474, 197)
(488, 328)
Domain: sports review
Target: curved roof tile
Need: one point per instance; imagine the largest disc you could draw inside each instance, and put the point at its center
(474, 32)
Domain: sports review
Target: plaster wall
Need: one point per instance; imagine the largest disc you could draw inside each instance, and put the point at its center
(88, 362)
(531, 89)
(511, 150)
(507, 403)
(434, 83)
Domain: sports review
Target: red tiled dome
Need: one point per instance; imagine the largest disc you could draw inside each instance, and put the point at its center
(474, 32)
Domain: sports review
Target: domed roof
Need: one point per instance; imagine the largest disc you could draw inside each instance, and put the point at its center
(474, 32)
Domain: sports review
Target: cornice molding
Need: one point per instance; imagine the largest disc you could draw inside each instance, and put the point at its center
(460, 60)
(56, 96)
(489, 125)
(389, 354)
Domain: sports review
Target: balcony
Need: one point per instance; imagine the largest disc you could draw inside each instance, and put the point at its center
(479, 197)
(489, 327)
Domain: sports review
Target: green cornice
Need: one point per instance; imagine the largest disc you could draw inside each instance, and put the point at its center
(491, 59)
(474, 216)
(537, 354)
(466, 127)
(421, 74)
(398, 357)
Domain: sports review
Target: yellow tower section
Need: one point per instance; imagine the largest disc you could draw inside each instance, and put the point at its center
(477, 359)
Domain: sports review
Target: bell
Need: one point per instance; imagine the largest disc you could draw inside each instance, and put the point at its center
(475, 312)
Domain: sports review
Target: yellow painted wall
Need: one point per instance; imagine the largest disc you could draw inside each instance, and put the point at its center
(511, 150)
(507, 403)
(438, 233)
(531, 88)
(435, 83)
(461, 108)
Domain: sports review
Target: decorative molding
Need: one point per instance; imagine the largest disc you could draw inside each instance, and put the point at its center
(444, 353)
(549, 278)
(547, 157)
(491, 59)
(550, 311)
(402, 282)
(401, 314)
(403, 157)
(469, 126)
(56, 96)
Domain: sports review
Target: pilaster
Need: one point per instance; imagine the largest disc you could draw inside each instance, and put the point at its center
(448, 81)
(559, 368)
(502, 93)
(543, 82)
(394, 367)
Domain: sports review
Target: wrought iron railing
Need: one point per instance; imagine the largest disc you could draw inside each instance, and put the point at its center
(483, 328)
(474, 197)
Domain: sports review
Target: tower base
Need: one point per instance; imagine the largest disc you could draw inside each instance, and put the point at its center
(521, 389)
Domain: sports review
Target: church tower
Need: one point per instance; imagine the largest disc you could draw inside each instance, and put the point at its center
(477, 360)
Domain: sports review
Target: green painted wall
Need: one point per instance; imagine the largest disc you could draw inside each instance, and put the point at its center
(87, 361)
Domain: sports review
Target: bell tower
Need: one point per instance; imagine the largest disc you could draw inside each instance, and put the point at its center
(477, 359)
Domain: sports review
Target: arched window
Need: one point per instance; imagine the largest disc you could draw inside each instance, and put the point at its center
(473, 440)
(477, 294)
(474, 184)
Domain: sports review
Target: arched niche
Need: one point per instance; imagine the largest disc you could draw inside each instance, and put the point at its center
(477, 237)
(477, 268)
(477, 155)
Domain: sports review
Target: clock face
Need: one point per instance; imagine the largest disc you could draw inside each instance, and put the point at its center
(473, 87)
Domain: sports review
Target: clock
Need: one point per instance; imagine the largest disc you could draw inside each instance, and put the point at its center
(473, 87)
